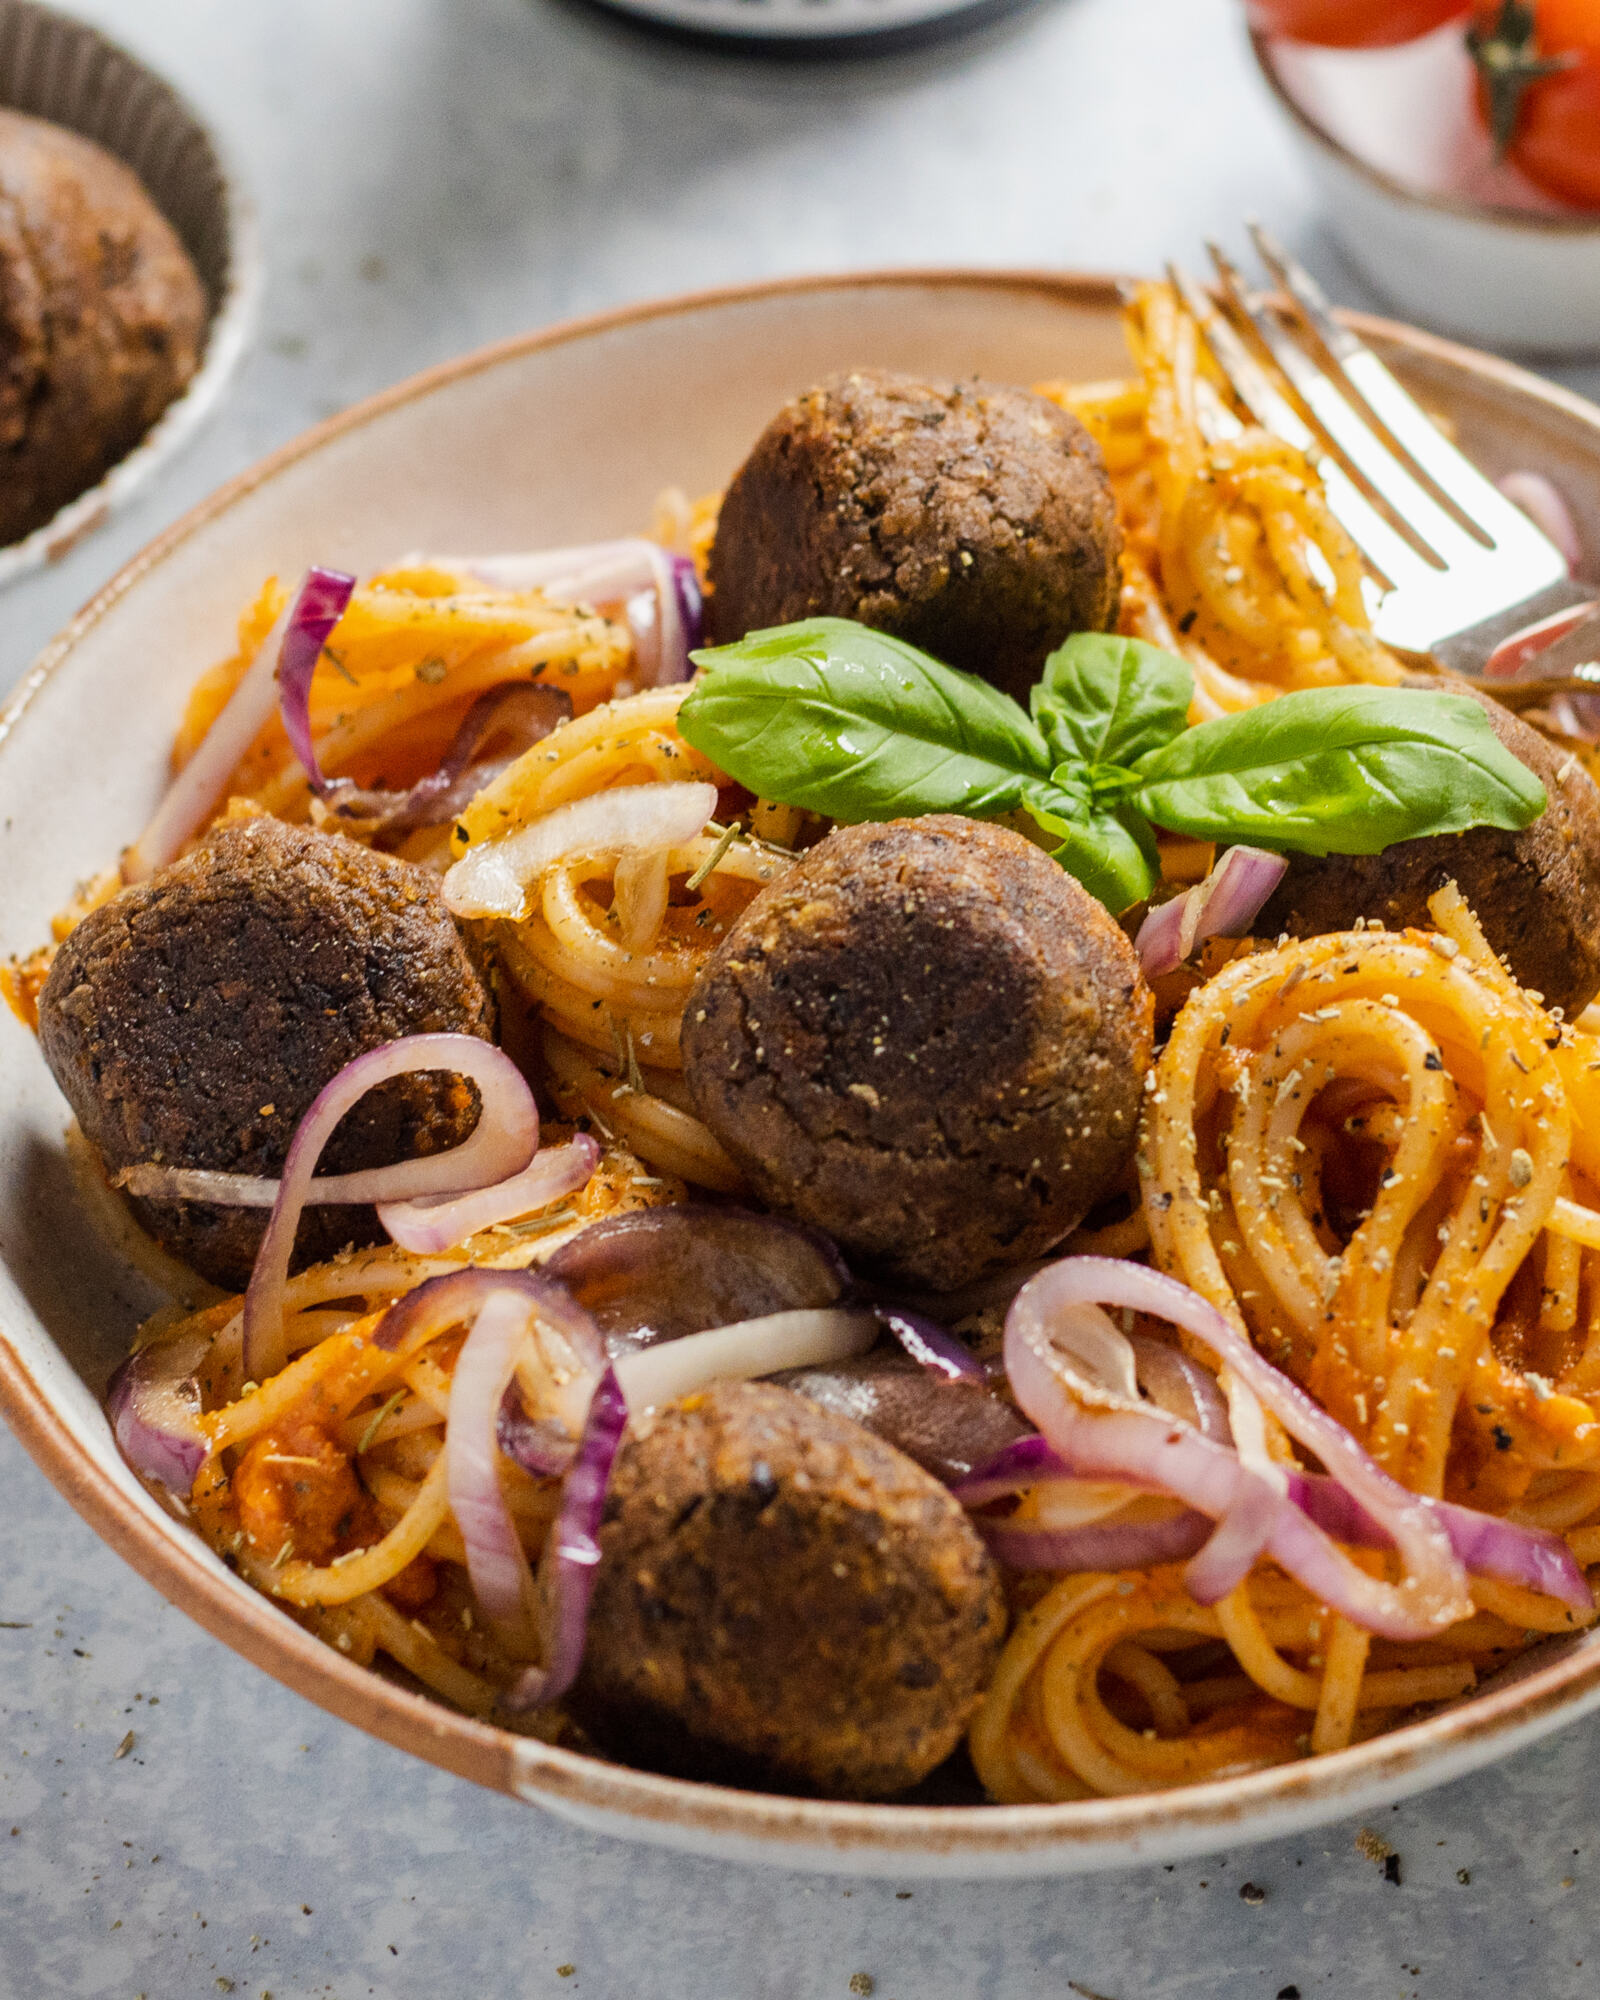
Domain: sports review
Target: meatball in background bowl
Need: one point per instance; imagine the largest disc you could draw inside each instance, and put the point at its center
(94, 375)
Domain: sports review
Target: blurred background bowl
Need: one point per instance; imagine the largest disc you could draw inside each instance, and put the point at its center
(1418, 204)
(57, 68)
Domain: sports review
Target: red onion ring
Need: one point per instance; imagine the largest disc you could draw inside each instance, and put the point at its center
(317, 609)
(1101, 1431)
(1244, 1531)
(492, 878)
(1100, 1546)
(1225, 904)
(153, 1401)
(501, 1580)
(523, 712)
(1170, 1378)
(430, 1226)
(195, 793)
(572, 1554)
(1532, 1557)
(501, 1143)
(928, 1343)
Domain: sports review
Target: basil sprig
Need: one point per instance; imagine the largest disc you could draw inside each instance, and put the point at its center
(833, 716)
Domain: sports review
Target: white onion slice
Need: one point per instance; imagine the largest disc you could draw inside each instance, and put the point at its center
(743, 1352)
(493, 878)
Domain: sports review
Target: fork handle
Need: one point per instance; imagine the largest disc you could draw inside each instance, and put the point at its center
(1470, 650)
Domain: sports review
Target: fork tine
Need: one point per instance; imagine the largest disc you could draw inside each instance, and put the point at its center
(1346, 431)
(1389, 555)
(1409, 432)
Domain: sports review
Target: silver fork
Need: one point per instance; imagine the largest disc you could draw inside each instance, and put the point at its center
(1460, 569)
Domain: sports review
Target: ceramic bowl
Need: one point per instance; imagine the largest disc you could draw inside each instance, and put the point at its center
(569, 434)
(54, 67)
(1411, 190)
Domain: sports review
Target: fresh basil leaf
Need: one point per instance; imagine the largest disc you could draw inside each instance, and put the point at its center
(1108, 700)
(1113, 854)
(831, 715)
(1339, 771)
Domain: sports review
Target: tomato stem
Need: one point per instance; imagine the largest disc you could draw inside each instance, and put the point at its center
(1508, 60)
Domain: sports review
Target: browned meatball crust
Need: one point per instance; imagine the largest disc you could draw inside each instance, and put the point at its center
(783, 1599)
(1536, 893)
(193, 1019)
(927, 1040)
(973, 520)
(102, 317)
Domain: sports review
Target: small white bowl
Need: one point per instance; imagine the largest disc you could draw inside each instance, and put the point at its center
(54, 67)
(1418, 204)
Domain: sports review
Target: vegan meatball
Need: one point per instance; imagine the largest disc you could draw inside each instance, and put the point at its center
(973, 520)
(927, 1040)
(102, 317)
(1536, 893)
(783, 1599)
(192, 1020)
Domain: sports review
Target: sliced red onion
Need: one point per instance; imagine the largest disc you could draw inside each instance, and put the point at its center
(538, 1444)
(1104, 1545)
(502, 1142)
(928, 1344)
(153, 1401)
(317, 608)
(492, 878)
(1546, 507)
(1170, 1378)
(197, 790)
(429, 1226)
(451, 1299)
(660, 1273)
(1532, 1557)
(1019, 1466)
(502, 1582)
(1084, 1399)
(744, 1352)
(517, 712)
(1245, 1529)
(1225, 904)
(572, 1554)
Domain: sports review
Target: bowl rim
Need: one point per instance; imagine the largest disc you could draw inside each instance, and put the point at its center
(970, 1840)
(229, 329)
(1559, 223)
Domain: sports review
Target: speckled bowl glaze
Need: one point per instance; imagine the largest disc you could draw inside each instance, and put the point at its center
(562, 435)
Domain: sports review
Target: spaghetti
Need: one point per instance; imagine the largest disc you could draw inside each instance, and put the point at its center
(1373, 1153)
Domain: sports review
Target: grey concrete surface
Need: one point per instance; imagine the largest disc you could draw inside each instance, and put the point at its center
(431, 174)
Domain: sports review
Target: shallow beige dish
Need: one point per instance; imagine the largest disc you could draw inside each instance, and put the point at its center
(564, 436)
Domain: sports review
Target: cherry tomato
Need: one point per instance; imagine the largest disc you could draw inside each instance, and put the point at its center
(1539, 90)
(1353, 24)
